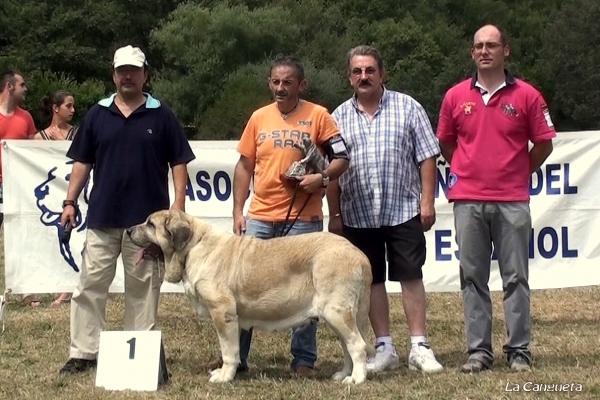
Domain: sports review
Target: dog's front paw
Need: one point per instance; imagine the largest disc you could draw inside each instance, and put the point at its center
(354, 379)
(349, 380)
(340, 375)
(221, 375)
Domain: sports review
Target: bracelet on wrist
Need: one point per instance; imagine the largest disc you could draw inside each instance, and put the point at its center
(68, 203)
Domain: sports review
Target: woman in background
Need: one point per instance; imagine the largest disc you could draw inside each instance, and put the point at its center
(59, 108)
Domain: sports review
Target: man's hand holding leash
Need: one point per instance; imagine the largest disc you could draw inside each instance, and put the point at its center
(310, 182)
(69, 214)
(239, 223)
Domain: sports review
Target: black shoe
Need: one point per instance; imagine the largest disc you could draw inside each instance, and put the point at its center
(473, 366)
(519, 363)
(77, 365)
(242, 368)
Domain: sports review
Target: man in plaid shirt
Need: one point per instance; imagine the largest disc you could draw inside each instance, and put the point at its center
(385, 200)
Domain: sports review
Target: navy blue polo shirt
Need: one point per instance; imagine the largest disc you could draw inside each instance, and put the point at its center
(130, 158)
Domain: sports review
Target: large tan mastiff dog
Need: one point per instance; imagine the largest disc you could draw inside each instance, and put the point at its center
(245, 282)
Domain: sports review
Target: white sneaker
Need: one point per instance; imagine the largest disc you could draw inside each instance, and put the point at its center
(385, 358)
(421, 358)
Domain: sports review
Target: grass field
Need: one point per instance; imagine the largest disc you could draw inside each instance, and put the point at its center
(566, 348)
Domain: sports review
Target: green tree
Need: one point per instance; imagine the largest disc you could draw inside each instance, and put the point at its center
(202, 47)
(326, 86)
(570, 57)
(202, 52)
(244, 91)
(76, 38)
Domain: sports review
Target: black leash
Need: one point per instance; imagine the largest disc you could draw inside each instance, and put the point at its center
(289, 212)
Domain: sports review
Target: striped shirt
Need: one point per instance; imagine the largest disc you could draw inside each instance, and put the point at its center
(70, 134)
(382, 186)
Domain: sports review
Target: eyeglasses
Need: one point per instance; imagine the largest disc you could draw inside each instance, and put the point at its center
(367, 71)
(488, 45)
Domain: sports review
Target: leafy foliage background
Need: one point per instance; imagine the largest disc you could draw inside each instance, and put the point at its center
(210, 59)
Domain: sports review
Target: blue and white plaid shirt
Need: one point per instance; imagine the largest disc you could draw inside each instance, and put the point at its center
(382, 186)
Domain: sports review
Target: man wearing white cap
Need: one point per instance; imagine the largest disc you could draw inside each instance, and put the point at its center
(130, 140)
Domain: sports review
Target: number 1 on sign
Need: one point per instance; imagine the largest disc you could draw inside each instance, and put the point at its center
(128, 360)
(131, 348)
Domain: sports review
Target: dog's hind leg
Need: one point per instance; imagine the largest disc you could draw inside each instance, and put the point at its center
(343, 321)
(347, 369)
(362, 317)
(225, 320)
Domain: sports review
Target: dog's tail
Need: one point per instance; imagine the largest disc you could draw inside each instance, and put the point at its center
(364, 303)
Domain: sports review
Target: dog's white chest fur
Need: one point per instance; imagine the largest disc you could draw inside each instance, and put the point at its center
(193, 297)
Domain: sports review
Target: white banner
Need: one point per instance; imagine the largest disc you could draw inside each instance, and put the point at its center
(564, 209)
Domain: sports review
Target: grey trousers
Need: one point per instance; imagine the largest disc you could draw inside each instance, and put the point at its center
(508, 227)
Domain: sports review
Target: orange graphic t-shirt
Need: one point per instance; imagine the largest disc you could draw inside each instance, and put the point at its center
(18, 126)
(268, 139)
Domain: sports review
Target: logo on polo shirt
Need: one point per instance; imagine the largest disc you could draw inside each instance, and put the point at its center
(305, 123)
(546, 113)
(509, 109)
(452, 179)
(468, 107)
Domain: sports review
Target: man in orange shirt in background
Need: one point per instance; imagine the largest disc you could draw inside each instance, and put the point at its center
(278, 208)
(15, 123)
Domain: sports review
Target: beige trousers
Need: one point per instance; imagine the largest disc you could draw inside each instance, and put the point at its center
(98, 268)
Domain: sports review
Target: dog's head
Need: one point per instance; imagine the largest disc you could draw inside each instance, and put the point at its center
(307, 142)
(169, 232)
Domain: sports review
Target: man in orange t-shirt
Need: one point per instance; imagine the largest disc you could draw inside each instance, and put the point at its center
(280, 207)
(15, 123)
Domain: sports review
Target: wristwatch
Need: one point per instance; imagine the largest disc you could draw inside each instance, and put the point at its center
(325, 179)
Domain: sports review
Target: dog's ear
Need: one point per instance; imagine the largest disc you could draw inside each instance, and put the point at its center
(181, 233)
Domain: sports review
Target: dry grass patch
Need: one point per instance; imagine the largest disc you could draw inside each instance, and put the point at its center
(566, 348)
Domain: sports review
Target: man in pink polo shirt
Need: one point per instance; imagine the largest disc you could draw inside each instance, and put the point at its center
(485, 126)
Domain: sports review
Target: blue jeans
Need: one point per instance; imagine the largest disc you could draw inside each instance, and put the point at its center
(304, 338)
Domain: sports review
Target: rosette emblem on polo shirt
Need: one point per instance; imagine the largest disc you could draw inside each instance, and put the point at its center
(468, 107)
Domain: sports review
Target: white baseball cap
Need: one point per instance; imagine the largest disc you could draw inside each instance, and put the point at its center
(129, 55)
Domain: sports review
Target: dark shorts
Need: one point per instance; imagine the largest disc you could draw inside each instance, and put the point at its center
(405, 245)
